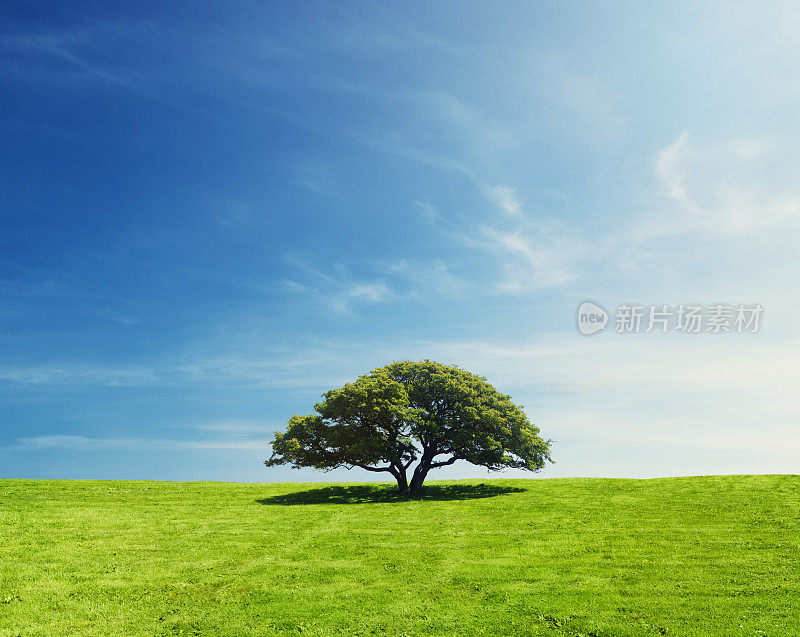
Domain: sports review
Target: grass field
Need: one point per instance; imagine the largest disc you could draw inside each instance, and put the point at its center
(679, 556)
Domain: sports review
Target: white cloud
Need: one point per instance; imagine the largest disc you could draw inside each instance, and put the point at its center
(83, 443)
(238, 427)
(82, 374)
(370, 291)
(505, 198)
(535, 261)
(730, 195)
(730, 188)
(402, 280)
(529, 253)
(429, 212)
(336, 289)
(668, 171)
(427, 279)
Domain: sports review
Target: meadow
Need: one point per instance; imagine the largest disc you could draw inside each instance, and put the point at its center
(696, 556)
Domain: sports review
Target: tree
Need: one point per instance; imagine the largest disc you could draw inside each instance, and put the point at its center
(407, 412)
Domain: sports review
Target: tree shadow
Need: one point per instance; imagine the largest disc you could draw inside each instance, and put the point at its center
(361, 494)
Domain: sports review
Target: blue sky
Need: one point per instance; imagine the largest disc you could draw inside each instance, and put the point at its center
(213, 212)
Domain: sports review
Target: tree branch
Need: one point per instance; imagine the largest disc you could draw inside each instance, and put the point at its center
(444, 463)
(376, 469)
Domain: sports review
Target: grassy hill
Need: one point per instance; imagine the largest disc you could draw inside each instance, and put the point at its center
(681, 556)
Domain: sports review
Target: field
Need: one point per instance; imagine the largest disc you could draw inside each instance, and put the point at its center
(680, 556)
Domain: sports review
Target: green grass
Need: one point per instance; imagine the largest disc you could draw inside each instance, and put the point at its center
(681, 556)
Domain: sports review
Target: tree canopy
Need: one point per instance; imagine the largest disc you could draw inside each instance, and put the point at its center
(408, 412)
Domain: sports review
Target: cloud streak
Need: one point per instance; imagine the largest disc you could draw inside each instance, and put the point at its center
(83, 443)
(726, 189)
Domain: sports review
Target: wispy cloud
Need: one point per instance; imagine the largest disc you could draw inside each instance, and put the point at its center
(83, 443)
(426, 279)
(336, 289)
(531, 260)
(729, 188)
(429, 212)
(70, 373)
(529, 252)
(667, 169)
(399, 281)
(255, 366)
(737, 187)
(248, 427)
(505, 198)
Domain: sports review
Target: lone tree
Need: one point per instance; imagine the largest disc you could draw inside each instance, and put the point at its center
(395, 415)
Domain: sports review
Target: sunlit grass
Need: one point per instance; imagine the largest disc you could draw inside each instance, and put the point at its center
(683, 556)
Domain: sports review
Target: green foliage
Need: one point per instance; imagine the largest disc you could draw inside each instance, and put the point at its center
(690, 557)
(408, 411)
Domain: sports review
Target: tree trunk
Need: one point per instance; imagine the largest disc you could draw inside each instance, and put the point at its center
(421, 470)
(402, 482)
(420, 473)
